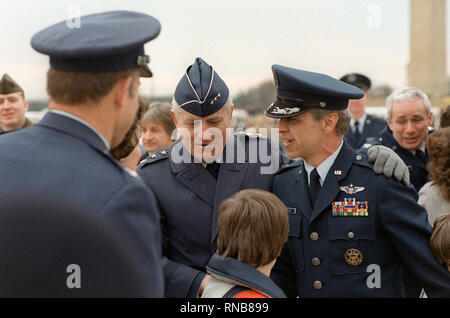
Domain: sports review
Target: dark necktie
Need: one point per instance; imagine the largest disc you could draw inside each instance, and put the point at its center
(421, 156)
(314, 186)
(357, 134)
(213, 169)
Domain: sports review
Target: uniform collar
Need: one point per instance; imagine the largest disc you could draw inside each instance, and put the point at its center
(73, 127)
(63, 113)
(361, 122)
(325, 166)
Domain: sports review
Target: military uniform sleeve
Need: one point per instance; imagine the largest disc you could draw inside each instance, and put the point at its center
(406, 224)
(179, 278)
(134, 210)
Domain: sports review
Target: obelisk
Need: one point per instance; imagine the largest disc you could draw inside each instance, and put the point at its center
(427, 66)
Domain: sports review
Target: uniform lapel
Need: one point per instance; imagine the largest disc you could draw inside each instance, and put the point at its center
(304, 202)
(367, 131)
(231, 176)
(194, 176)
(330, 188)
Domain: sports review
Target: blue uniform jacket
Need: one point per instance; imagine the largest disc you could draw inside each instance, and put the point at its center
(189, 199)
(372, 127)
(394, 234)
(63, 158)
(417, 169)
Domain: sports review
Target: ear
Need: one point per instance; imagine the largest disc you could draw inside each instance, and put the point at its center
(231, 111)
(330, 122)
(388, 119)
(430, 118)
(27, 105)
(121, 91)
(174, 117)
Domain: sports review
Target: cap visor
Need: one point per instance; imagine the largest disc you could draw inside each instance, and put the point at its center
(145, 71)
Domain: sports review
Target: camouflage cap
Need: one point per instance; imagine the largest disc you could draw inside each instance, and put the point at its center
(8, 85)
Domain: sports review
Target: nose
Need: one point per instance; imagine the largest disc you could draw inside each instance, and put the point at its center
(409, 128)
(281, 125)
(146, 135)
(5, 104)
(200, 130)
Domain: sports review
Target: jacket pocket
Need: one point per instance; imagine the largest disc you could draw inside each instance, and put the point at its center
(351, 244)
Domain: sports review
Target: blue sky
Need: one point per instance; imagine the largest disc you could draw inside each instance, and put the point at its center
(241, 39)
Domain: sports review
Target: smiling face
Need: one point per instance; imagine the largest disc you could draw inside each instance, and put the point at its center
(203, 136)
(12, 110)
(409, 123)
(154, 136)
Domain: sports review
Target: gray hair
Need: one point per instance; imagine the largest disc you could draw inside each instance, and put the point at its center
(177, 108)
(407, 93)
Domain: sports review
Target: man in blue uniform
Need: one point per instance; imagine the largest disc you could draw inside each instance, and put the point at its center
(352, 232)
(409, 119)
(193, 176)
(93, 85)
(363, 126)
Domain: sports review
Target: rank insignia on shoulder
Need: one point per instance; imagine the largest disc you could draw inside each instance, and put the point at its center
(351, 189)
(350, 207)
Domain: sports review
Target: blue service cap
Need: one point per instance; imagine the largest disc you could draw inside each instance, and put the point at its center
(108, 41)
(358, 80)
(201, 91)
(299, 91)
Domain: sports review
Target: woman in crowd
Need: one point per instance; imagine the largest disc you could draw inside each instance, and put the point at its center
(435, 195)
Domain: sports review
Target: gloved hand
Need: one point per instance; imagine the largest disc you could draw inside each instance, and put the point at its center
(386, 161)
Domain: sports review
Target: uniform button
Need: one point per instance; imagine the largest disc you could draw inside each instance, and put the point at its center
(314, 236)
(317, 284)
(351, 235)
(316, 261)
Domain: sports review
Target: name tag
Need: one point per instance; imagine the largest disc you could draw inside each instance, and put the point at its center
(292, 211)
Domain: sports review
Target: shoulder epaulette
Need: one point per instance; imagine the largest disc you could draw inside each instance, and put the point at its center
(290, 165)
(155, 156)
(362, 160)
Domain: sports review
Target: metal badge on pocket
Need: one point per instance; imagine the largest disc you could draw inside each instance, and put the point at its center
(353, 257)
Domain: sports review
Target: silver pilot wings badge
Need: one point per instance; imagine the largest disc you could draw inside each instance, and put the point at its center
(351, 189)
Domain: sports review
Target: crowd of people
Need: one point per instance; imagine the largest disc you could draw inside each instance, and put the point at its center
(170, 204)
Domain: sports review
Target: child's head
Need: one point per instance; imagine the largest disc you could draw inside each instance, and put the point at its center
(253, 227)
(440, 239)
